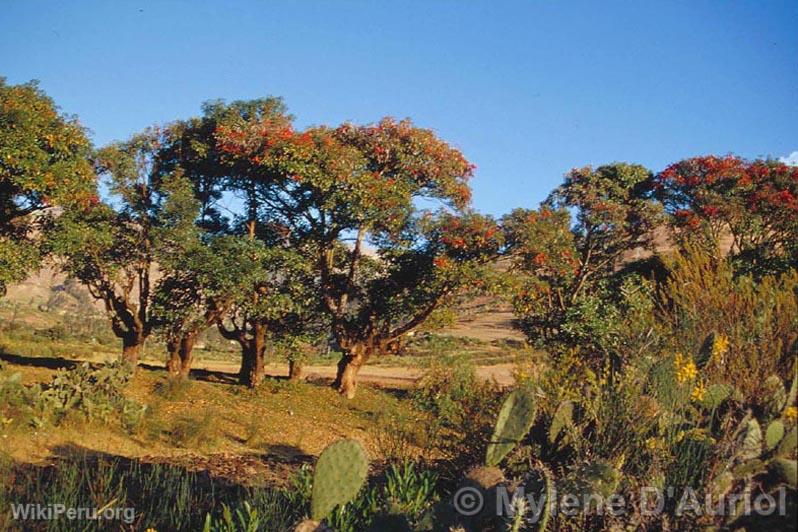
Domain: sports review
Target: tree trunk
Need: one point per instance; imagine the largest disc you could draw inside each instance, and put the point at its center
(294, 370)
(348, 367)
(252, 366)
(187, 353)
(131, 348)
(173, 363)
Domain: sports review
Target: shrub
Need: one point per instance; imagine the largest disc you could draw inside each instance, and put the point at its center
(462, 409)
(192, 431)
(757, 320)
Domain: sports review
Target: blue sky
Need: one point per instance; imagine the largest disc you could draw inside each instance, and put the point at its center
(526, 89)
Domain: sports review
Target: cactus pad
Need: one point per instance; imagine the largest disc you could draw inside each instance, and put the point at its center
(774, 434)
(515, 419)
(539, 483)
(340, 473)
(563, 418)
(749, 440)
(788, 444)
(786, 469)
(715, 395)
(776, 395)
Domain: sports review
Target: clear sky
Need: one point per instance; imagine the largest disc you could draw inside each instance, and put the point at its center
(527, 89)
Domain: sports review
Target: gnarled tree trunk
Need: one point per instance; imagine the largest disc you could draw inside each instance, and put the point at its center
(354, 358)
(173, 362)
(181, 354)
(295, 370)
(131, 347)
(187, 353)
(253, 348)
(252, 355)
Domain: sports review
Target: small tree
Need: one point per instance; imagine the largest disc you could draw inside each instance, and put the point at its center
(754, 203)
(112, 247)
(398, 290)
(196, 280)
(201, 281)
(282, 305)
(44, 161)
(562, 268)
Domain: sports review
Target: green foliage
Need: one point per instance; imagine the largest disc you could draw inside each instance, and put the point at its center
(44, 161)
(715, 395)
(112, 247)
(324, 186)
(340, 473)
(754, 322)
(560, 268)
(94, 393)
(562, 421)
(164, 497)
(513, 422)
(462, 410)
(243, 519)
(410, 492)
(192, 431)
(594, 478)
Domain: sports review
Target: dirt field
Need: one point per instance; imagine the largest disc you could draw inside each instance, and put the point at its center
(390, 376)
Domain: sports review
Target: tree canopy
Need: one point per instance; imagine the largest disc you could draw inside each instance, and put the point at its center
(44, 161)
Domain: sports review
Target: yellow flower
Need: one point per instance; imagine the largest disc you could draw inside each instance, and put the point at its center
(791, 414)
(720, 344)
(654, 444)
(698, 392)
(685, 368)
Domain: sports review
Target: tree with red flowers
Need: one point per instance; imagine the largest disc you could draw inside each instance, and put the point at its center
(347, 198)
(238, 286)
(753, 203)
(560, 263)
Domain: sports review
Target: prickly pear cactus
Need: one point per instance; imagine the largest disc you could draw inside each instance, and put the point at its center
(539, 483)
(340, 473)
(514, 421)
(749, 439)
(787, 470)
(715, 395)
(591, 478)
(776, 395)
(563, 419)
(774, 434)
(789, 443)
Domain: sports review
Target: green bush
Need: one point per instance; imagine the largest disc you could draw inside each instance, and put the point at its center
(462, 410)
